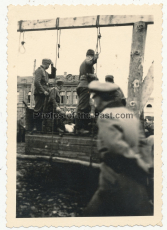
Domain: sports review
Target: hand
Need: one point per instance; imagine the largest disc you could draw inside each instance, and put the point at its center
(92, 115)
(96, 55)
(46, 93)
(51, 62)
(58, 109)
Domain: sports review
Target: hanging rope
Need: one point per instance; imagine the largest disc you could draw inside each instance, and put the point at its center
(21, 44)
(98, 45)
(59, 43)
(57, 56)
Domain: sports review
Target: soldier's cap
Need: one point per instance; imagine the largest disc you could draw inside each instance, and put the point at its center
(46, 61)
(109, 78)
(90, 52)
(104, 89)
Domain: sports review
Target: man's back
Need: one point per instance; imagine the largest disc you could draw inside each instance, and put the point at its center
(85, 68)
(121, 125)
(121, 136)
(41, 81)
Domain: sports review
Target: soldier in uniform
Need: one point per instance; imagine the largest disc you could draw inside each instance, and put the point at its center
(125, 166)
(22, 130)
(41, 91)
(110, 78)
(52, 104)
(86, 75)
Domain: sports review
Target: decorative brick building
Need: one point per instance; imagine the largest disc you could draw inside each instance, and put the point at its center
(23, 94)
(68, 95)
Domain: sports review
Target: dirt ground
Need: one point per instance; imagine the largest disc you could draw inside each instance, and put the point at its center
(43, 190)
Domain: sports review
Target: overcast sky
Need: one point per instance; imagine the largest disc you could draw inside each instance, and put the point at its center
(114, 58)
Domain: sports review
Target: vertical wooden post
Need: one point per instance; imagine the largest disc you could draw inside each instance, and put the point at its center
(32, 101)
(136, 67)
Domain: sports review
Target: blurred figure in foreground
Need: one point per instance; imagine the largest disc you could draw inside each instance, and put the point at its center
(125, 164)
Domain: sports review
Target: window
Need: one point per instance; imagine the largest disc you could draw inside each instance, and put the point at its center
(62, 97)
(149, 118)
(149, 106)
(23, 80)
(75, 98)
(29, 97)
(68, 98)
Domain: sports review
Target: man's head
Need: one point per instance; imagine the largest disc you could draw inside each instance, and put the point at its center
(51, 82)
(103, 93)
(90, 53)
(46, 63)
(109, 78)
(60, 84)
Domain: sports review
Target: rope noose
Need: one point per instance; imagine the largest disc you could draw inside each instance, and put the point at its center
(21, 44)
(57, 56)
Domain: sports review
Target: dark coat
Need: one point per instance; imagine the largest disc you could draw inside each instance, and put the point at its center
(41, 81)
(86, 68)
(52, 101)
(122, 183)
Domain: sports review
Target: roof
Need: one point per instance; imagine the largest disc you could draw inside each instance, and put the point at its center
(69, 78)
(26, 79)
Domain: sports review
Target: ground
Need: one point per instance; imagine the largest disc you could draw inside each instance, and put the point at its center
(44, 191)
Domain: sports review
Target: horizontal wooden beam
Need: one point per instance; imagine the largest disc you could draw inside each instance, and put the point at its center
(83, 22)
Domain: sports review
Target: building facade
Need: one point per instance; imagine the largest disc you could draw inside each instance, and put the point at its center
(23, 94)
(68, 94)
(149, 109)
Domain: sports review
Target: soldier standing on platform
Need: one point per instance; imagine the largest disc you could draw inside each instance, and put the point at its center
(125, 166)
(21, 126)
(52, 104)
(41, 91)
(86, 75)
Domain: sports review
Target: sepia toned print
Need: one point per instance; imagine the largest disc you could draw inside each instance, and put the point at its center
(86, 144)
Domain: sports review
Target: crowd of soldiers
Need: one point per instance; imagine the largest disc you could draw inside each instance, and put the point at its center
(126, 176)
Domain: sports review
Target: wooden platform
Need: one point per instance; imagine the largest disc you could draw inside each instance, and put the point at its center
(67, 146)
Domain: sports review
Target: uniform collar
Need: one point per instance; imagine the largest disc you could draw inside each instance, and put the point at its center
(42, 67)
(112, 104)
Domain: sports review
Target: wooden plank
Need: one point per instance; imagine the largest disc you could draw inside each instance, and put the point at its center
(136, 67)
(124, 20)
(82, 22)
(60, 153)
(77, 22)
(66, 140)
(56, 147)
(57, 159)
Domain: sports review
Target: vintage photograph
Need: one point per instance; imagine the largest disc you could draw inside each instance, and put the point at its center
(84, 125)
(85, 129)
